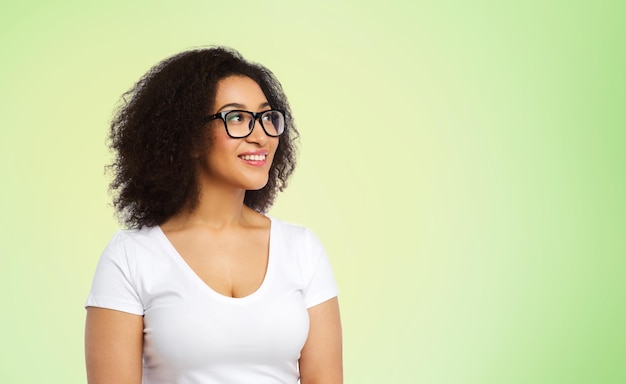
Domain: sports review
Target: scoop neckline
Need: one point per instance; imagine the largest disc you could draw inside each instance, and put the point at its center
(198, 280)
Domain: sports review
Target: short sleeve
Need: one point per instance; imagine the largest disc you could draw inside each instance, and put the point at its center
(320, 285)
(113, 285)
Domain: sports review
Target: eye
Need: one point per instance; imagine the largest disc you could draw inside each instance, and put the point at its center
(234, 117)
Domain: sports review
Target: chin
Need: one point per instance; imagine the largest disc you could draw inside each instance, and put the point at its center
(254, 184)
(256, 187)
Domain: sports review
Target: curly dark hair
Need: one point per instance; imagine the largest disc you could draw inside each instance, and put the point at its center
(161, 120)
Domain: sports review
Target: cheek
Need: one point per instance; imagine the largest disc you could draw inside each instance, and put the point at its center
(220, 142)
(217, 135)
(274, 148)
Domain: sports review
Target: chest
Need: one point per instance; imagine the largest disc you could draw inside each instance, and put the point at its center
(233, 266)
(189, 327)
(188, 333)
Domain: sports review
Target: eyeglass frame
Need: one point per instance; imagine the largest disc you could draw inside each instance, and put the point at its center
(255, 116)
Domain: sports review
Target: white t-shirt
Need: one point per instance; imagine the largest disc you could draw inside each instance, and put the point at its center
(192, 334)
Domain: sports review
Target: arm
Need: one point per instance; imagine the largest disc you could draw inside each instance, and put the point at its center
(113, 346)
(321, 358)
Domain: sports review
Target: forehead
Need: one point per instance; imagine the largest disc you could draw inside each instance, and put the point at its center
(239, 90)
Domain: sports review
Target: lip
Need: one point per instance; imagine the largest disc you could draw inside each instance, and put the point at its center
(254, 163)
(259, 152)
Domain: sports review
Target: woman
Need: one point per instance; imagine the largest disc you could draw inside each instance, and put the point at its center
(203, 288)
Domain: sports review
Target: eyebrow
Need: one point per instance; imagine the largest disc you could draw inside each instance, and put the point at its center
(241, 106)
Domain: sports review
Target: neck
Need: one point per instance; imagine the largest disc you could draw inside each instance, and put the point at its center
(217, 208)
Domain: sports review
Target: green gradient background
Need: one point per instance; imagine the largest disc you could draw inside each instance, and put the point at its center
(463, 163)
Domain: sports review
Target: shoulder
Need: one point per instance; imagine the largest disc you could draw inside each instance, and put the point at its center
(136, 235)
(305, 250)
(293, 232)
(298, 240)
(127, 243)
(129, 237)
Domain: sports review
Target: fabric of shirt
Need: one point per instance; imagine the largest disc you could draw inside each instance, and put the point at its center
(193, 334)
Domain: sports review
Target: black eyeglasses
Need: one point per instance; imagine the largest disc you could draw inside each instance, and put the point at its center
(239, 124)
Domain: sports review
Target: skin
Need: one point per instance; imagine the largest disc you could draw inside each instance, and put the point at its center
(230, 266)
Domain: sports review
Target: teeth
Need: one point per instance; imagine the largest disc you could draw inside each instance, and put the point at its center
(253, 157)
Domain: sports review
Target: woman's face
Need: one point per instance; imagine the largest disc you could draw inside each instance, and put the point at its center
(242, 163)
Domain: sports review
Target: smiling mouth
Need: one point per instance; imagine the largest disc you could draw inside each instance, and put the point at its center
(253, 157)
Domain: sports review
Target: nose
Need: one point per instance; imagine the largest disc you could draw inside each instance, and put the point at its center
(258, 133)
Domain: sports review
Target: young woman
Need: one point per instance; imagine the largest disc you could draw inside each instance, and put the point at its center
(203, 287)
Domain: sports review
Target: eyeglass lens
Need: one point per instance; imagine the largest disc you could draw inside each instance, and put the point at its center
(241, 123)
